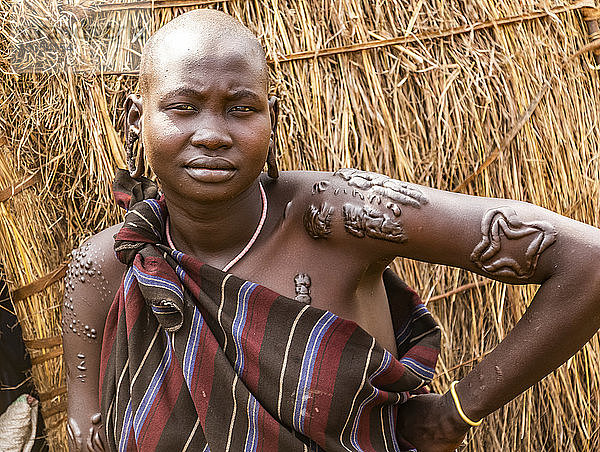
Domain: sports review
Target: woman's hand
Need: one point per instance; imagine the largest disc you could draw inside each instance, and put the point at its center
(431, 423)
(93, 441)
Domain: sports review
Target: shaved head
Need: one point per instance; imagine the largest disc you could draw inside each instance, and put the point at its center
(204, 94)
(197, 34)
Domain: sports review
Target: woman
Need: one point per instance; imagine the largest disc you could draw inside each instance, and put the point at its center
(195, 355)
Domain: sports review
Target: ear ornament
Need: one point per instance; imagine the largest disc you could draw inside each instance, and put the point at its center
(135, 161)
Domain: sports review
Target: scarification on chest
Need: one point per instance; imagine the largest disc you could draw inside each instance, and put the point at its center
(302, 285)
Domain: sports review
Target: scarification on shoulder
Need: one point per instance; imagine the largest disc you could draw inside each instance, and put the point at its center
(365, 221)
(85, 268)
(317, 220)
(375, 210)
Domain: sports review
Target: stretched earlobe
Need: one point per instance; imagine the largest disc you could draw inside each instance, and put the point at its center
(274, 112)
(272, 169)
(133, 115)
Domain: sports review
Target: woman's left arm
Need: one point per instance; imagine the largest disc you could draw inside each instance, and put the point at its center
(510, 241)
(562, 317)
(517, 243)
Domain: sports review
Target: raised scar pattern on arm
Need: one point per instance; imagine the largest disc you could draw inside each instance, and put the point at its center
(320, 187)
(394, 208)
(93, 440)
(500, 224)
(379, 184)
(375, 199)
(81, 367)
(84, 268)
(317, 220)
(365, 221)
(357, 193)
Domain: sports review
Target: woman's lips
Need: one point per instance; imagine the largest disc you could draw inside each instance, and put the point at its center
(209, 174)
(210, 169)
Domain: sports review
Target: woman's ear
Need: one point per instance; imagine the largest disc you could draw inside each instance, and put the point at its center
(274, 113)
(133, 129)
(133, 114)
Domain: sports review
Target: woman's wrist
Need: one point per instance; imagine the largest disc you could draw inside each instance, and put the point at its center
(469, 421)
(462, 407)
(453, 422)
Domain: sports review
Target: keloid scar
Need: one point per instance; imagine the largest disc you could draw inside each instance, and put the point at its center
(320, 187)
(81, 367)
(85, 268)
(503, 224)
(378, 186)
(302, 285)
(317, 220)
(378, 216)
(369, 222)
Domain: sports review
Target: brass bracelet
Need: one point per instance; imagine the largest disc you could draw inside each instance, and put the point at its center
(462, 414)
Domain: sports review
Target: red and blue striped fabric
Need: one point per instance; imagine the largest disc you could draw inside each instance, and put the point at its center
(196, 359)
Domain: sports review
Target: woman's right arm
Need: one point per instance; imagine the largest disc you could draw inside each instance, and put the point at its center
(92, 281)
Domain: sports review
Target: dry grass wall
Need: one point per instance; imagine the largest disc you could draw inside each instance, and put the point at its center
(428, 91)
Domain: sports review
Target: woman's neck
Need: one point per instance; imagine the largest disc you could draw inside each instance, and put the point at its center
(215, 232)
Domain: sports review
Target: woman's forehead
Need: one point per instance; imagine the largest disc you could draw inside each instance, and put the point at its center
(189, 54)
(228, 73)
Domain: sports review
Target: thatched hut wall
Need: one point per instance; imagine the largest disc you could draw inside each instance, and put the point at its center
(436, 92)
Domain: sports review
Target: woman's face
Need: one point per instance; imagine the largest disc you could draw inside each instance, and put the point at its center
(206, 123)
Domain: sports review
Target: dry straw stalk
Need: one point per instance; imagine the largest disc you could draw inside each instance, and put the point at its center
(402, 93)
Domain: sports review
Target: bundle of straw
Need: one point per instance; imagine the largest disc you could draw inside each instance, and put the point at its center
(471, 96)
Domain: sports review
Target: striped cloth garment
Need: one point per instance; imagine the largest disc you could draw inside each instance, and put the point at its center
(195, 359)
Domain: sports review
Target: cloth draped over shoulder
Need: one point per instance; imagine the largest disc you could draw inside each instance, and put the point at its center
(197, 359)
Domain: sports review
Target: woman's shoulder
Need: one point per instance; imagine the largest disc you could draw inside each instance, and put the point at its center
(295, 184)
(94, 273)
(97, 253)
(320, 181)
(303, 177)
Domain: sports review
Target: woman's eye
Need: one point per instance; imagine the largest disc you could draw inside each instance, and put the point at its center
(242, 108)
(183, 107)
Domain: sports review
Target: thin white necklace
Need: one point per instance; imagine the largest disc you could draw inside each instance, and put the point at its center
(242, 253)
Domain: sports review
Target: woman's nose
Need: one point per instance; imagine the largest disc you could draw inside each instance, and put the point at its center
(211, 133)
